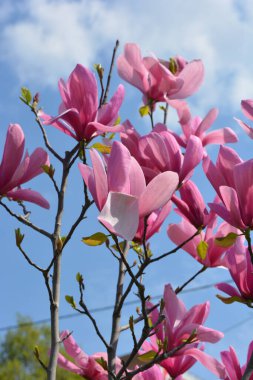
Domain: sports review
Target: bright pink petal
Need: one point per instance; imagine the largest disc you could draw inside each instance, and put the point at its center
(193, 156)
(108, 113)
(243, 177)
(13, 152)
(68, 365)
(100, 178)
(158, 192)
(28, 196)
(37, 159)
(120, 215)
(247, 108)
(118, 181)
(231, 362)
(136, 178)
(58, 124)
(174, 307)
(228, 289)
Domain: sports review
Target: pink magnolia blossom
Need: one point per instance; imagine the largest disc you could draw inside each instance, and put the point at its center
(14, 171)
(241, 270)
(237, 207)
(159, 151)
(192, 205)
(195, 126)
(179, 325)
(121, 194)
(234, 371)
(178, 233)
(79, 115)
(154, 78)
(84, 365)
(247, 109)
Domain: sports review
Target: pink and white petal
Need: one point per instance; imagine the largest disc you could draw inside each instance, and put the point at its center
(247, 108)
(120, 215)
(28, 195)
(100, 178)
(68, 365)
(220, 136)
(245, 127)
(108, 113)
(212, 364)
(192, 75)
(118, 169)
(158, 192)
(13, 152)
(193, 156)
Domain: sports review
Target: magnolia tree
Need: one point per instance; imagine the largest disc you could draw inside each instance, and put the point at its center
(134, 181)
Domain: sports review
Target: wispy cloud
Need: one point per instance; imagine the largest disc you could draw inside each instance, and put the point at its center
(43, 42)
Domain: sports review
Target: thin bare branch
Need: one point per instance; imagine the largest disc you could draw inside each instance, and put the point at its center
(110, 73)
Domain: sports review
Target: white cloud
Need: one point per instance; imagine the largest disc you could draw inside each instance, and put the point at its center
(45, 41)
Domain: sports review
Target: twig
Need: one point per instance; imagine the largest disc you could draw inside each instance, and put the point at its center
(23, 220)
(110, 73)
(180, 288)
(175, 249)
(165, 114)
(29, 260)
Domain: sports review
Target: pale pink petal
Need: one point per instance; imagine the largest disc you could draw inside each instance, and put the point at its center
(192, 75)
(180, 232)
(213, 174)
(174, 307)
(28, 196)
(136, 178)
(220, 136)
(245, 127)
(68, 365)
(207, 122)
(193, 156)
(120, 215)
(88, 177)
(208, 361)
(158, 192)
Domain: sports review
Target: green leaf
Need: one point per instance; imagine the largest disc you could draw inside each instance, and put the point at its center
(102, 362)
(71, 301)
(144, 110)
(96, 239)
(202, 248)
(36, 352)
(49, 170)
(105, 149)
(79, 277)
(226, 241)
(148, 356)
(121, 245)
(26, 95)
(19, 237)
(229, 300)
(117, 121)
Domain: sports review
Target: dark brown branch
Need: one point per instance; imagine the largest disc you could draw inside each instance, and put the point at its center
(180, 288)
(110, 73)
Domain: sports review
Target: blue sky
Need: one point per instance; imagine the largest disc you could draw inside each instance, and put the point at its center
(38, 45)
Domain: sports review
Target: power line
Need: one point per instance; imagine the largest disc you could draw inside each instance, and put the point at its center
(101, 309)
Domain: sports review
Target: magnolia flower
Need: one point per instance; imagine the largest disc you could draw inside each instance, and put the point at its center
(121, 194)
(240, 267)
(195, 126)
(159, 151)
(88, 366)
(14, 171)
(234, 371)
(247, 109)
(178, 326)
(154, 78)
(79, 115)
